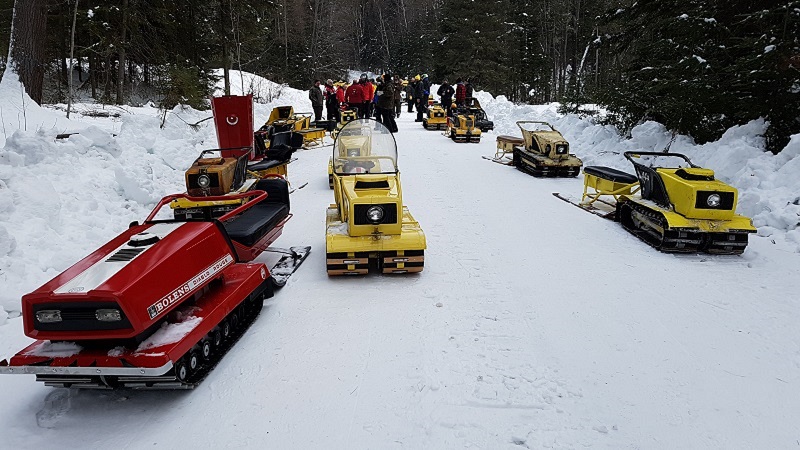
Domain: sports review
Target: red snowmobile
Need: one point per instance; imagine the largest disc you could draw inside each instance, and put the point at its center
(158, 306)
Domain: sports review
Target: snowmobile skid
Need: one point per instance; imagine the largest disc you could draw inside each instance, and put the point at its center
(541, 153)
(680, 207)
(159, 305)
(368, 227)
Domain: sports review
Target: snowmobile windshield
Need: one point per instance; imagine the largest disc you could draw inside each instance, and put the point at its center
(364, 146)
(665, 160)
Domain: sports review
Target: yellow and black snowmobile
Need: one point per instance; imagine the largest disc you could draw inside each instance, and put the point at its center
(368, 226)
(461, 127)
(437, 118)
(481, 119)
(680, 207)
(348, 116)
(541, 153)
(283, 118)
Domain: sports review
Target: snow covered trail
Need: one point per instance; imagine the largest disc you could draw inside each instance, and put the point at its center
(533, 325)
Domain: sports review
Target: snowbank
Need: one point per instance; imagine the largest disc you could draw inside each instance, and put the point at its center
(62, 198)
(19, 112)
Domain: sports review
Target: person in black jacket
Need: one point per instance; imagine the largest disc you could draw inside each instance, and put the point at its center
(420, 98)
(315, 95)
(445, 93)
(385, 104)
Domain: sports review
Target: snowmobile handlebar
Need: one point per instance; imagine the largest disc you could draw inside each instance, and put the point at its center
(630, 155)
(259, 196)
(520, 122)
(204, 152)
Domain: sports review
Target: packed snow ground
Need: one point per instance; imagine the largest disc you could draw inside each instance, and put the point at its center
(533, 325)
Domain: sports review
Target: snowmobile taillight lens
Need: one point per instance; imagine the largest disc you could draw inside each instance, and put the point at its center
(375, 214)
(203, 181)
(48, 315)
(108, 315)
(714, 200)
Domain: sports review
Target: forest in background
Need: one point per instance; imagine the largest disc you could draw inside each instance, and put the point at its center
(696, 66)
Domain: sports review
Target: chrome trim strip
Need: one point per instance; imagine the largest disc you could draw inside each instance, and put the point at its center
(95, 371)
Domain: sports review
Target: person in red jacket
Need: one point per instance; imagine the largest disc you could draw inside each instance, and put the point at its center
(354, 96)
(368, 92)
(340, 92)
(461, 92)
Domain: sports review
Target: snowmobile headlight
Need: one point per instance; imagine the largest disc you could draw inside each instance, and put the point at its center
(108, 315)
(48, 315)
(375, 214)
(203, 181)
(714, 200)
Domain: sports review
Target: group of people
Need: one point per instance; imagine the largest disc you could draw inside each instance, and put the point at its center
(418, 92)
(381, 97)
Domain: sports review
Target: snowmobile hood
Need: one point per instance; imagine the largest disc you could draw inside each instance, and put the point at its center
(146, 272)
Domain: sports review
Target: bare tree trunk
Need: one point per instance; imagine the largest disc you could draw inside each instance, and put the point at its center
(224, 21)
(93, 74)
(27, 47)
(71, 56)
(107, 71)
(285, 39)
(122, 45)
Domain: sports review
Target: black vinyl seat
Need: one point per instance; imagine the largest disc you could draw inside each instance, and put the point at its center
(265, 164)
(253, 224)
(608, 173)
(250, 226)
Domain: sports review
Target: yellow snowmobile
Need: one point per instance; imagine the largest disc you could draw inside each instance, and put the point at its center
(680, 207)
(481, 120)
(283, 118)
(541, 153)
(348, 116)
(368, 226)
(437, 118)
(461, 127)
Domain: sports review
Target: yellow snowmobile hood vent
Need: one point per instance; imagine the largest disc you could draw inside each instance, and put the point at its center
(371, 184)
(695, 174)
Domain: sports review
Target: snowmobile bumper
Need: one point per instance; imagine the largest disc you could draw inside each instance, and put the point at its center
(353, 255)
(151, 363)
